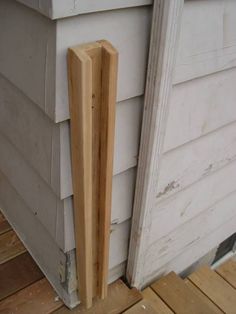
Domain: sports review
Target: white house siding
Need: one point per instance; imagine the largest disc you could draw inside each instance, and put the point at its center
(35, 164)
(195, 201)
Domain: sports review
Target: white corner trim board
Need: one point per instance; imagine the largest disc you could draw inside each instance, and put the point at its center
(164, 37)
(55, 9)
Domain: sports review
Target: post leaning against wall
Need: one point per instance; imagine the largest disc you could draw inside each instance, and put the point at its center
(92, 72)
(164, 38)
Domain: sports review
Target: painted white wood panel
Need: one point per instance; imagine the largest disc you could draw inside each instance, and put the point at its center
(33, 56)
(35, 192)
(188, 203)
(162, 251)
(43, 248)
(164, 38)
(27, 57)
(194, 252)
(119, 243)
(127, 137)
(55, 9)
(189, 163)
(200, 106)
(122, 196)
(207, 40)
(122, 205)
(119, 240)
(128, 30)
(57, 215)
(34, 236)
(30, 131)
(46, 145)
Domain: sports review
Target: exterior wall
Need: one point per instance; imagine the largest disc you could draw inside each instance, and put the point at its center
(193, 208)
(35, 163)
(40, 39)
(56, 9)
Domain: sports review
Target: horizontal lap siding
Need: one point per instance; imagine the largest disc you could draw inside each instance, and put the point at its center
(63, 8)
(44, 248)
(57, 215)
(127, 30)
(34, 53)
(194, 252)
(46, 145)
(200, 106)
(207, 41)
(196, 188)
(177, 241)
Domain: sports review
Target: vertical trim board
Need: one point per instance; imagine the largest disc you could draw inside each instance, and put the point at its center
(164, 38)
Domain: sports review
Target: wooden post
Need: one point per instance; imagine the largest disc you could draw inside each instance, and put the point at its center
(92, 89)
(80, 89)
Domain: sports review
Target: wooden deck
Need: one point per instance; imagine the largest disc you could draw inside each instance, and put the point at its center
(24, 289)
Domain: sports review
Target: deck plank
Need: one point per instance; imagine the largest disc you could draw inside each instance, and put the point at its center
(17, 274)
(202, 296)
(175, 293)
(216, 288)
(142, 307)
(120, 297)
(10, 246)
(228, 272)
(4, 226)
(156, 302)
(2, 218)
(37, 298)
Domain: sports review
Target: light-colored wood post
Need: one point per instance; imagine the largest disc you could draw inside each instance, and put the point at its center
(80, 90)
(92, 88)
(107, 134)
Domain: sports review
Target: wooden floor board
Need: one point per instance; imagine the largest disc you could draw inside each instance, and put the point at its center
(142, 307)
(228, 272)
(17, 274)
(216, 288)
(10, 246)
(120, 297)
(156, 302)
(4, 227)
(38, 298)
(202, 296)
(179, 297)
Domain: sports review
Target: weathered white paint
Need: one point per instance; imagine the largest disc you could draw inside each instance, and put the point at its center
(207, 39)
(189, 163)
(193, 253)
(185, 189)
(190, 202)
(177, 241)
(33, 56)
(55, 9)
(164, 38)
(199, 106)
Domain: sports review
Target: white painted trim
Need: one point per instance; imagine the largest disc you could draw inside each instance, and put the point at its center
(164, 37)
(55, 9)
